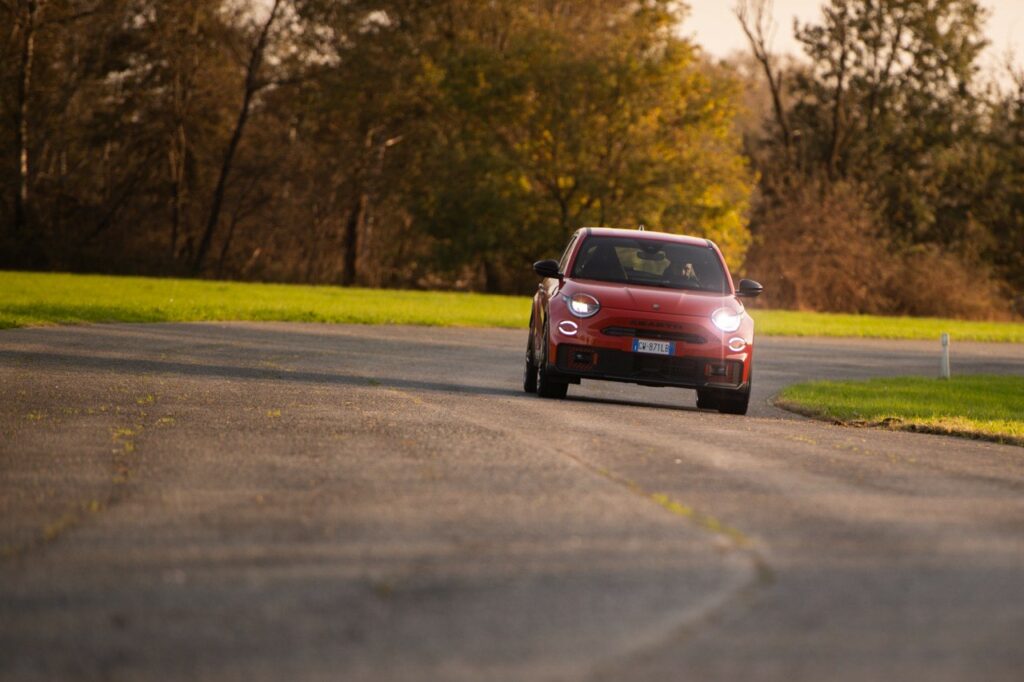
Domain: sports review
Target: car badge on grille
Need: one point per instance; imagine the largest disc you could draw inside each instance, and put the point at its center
(656, 306)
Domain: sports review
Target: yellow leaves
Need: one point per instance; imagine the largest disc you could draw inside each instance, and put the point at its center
(712, 196)
(430, 74)
(481, 80)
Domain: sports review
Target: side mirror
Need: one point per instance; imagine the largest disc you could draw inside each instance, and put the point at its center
(749, 289)
(547, 268)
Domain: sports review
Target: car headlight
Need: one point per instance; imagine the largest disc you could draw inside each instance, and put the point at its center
(726, 320)
(582, 305)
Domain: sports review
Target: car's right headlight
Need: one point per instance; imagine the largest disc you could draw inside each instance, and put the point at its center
(726, 320)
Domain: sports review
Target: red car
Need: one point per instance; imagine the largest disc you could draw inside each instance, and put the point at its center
(643, 307)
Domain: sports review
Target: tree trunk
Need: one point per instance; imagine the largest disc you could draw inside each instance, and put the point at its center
(251, 88)
(226, 246)
(351, 236)
(757, 24)
(22, 113)
(492, 283)
(177, 163)
(186, 66)
(837, 104)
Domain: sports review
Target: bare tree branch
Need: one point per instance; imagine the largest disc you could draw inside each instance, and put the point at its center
(837, 104)
(252, 86)
(28, 17)
(755, 17)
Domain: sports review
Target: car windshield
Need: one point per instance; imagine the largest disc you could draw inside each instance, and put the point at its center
(650, 262)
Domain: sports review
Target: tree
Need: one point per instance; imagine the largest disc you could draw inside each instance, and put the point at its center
(252, 85)
(603, 116)
(755, 17)
(890, 87)
(27, 20)
(998, 163)
(379, 142)
(29, 17)
(889, 102)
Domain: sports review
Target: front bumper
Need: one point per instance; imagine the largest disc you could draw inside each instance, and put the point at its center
(588, 362)
(602, 348)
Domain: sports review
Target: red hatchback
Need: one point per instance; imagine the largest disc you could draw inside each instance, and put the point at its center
(648, 308)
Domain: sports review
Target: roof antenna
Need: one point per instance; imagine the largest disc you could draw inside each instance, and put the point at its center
(640, 227)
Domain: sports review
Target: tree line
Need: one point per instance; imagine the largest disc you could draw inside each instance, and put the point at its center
(892, 165)
(449, 143)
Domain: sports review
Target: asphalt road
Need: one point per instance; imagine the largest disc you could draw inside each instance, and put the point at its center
(302, 502)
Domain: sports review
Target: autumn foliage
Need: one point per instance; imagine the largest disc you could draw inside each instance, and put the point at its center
(448, 144)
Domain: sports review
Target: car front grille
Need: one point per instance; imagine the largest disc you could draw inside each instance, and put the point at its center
(659, 334)
(605, 363)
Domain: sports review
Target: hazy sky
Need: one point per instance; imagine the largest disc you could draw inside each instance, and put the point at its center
(712, 24)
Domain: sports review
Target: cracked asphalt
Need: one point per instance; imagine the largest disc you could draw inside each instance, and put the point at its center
(309, 502)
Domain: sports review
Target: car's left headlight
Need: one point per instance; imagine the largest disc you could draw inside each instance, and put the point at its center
(726, 320)
(582, 305)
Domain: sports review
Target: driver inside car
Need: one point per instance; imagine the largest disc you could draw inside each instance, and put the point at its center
(680, 271)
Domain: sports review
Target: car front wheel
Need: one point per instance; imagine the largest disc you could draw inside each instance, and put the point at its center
(735, 402)
(547, 385)
(726, 402)
(707, 399)
(530, 371)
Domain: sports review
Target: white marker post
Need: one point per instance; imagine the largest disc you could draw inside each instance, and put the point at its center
(944, 361)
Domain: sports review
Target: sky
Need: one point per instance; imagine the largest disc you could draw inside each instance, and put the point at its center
(713, 26)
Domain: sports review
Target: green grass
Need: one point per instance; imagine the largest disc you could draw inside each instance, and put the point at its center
(38, 298)
(979, 406)
(795, 323)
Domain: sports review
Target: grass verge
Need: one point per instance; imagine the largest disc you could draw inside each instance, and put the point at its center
(36, 299)
(796, 323)
(979, 406)
(28, 299)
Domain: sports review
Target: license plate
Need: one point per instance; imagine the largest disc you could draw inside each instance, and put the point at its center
(654, 347)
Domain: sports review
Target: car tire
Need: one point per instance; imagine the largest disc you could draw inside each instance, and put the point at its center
(735, 403)
(550, 388)
(707, 399)
(530, 370)
(547, 386)
(726, 402)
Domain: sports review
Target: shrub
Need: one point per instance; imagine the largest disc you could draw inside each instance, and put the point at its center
(818, 246)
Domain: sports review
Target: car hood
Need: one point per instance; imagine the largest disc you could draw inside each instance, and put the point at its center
(653, 299)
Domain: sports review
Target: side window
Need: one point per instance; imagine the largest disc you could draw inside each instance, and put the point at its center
(564, 261)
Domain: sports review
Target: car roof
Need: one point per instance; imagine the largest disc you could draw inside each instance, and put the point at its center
(646, 234)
